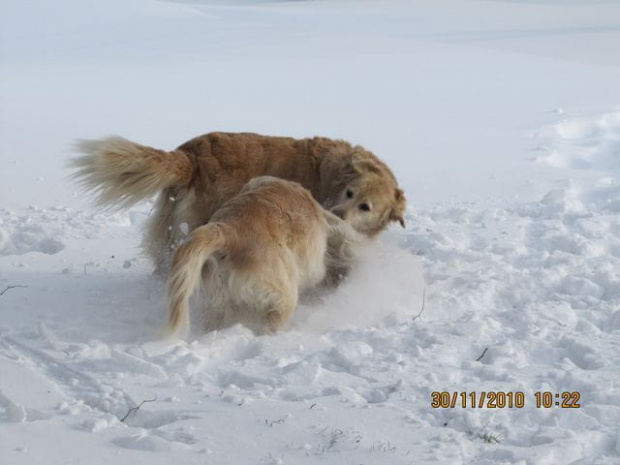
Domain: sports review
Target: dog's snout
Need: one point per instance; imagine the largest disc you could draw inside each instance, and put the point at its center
(339, 213)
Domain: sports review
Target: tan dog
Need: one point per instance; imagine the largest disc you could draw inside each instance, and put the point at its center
(256, 254)
(198, 177)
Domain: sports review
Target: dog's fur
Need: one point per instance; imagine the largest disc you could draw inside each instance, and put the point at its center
(194, 180)
(256, 254)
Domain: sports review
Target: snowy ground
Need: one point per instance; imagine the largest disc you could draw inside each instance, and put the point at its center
(502, 122)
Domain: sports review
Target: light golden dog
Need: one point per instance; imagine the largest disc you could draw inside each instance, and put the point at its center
(194, 180)
(257, 253)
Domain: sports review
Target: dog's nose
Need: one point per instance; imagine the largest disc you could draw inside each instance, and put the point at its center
(339, 213)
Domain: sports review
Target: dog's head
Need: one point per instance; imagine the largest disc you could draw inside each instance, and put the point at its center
(370, 198)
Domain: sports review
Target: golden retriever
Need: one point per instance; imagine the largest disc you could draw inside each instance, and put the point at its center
(257, 253)
(195, 179)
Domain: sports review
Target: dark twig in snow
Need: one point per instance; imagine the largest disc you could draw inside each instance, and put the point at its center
(490, 438)
(274, 422)
(10, 287)
(423, 305)
(487, 437)
(482, 355)
(133, 409)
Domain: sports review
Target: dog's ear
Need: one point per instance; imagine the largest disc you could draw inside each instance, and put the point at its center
(362, 163)
(397, 213)
(394, 216)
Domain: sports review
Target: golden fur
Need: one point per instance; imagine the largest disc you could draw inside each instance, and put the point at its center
(195, 179)
(256, 254)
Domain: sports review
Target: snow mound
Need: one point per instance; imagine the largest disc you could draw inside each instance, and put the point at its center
(47, 230)
(20, 235)
(586, 143)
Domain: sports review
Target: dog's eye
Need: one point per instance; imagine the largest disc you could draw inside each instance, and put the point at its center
(349, 194)
(364, 207)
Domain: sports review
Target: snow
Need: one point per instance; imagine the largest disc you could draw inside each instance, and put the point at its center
(499, 118)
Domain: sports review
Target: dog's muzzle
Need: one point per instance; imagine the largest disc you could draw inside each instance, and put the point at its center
(339, 212)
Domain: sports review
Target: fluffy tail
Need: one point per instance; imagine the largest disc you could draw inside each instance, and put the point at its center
(186, 272)
(122, 173)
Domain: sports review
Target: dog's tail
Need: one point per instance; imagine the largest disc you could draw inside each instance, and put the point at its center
(186, 272)
(122, 173)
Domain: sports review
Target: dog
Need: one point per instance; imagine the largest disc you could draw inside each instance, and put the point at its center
(255, 256)
(195, 179)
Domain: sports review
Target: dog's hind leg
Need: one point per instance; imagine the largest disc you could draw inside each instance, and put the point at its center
(279, 314)
(157, 241)
(282, 301)
(175, 215)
